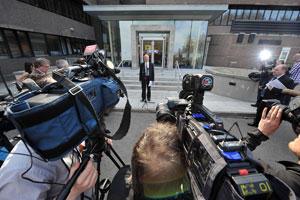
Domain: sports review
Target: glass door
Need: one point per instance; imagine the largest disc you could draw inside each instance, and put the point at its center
(155, 48)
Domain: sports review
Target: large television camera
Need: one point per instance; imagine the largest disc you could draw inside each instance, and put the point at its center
(219, 164)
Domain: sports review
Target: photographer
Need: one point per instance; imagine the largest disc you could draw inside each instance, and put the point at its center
(25, 175)
(267, 126)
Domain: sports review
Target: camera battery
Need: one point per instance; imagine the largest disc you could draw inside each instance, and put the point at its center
(232, 146)
(220, 138)
(253, 185)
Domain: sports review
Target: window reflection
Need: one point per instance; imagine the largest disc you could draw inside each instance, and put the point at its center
(287, 15)
(225, 18)
(280, 15)
(260, 14)
(231, 16)
(294, 15)
(253, 14)
(182, 42)
(38, 44)
(12, 43)
(246, 14)
(267, 14)
(24, 43)
(239, 14)
(274, 15)
(3, 51)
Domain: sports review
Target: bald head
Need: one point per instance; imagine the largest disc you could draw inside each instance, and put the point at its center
(279, 70)
(297, 57)
(146, 58)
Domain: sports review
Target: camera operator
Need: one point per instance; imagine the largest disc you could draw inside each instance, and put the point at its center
(265, 77)
(25, 175)
(267, 126)
(158, 168)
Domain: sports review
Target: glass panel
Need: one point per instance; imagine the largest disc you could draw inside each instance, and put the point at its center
(3, 51)
(69, 46)
(280, 15)
(239, 14)
(253, 14)
(260, 14)
(246, 14)
(12, 43)
(182, 43)
(274, 15)
(57, 4)
(54, 45)
(152, 22)
(287, 15)
(38, 44)
(294, 15)
(267, 15)
(217, 22)
(197, 44)
(63, 46)
(158, 52)
(225, 18)
(231, 16)
(51, 5)
(24, 43)
(42, 4)
(125, 32)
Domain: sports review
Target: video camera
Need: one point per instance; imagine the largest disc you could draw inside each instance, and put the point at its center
(219, 165)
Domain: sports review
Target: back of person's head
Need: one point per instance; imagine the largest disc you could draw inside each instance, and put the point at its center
(62, 63)
(41, 62)
(42, 79)
(279, 62)
(27, 67)
(80, 61)
(158, 164)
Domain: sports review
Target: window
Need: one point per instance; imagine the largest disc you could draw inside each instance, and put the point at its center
(239, 14)
(280, 15)
(246, 14)
(218, 20)
(225, 18)
(12, 43)
(287, 15)
(51, 5)
(294, 15)
(260, 14)
(42, 4)
(274, 14)
(54, 45)
(231, 16)
(24, 42)
(57, 4)
(253, 14)
(63, 46)
(69, 46)
(267, 14)
(38, 44)
(3, 50)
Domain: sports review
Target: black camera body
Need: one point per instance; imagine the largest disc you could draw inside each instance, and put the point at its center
(218, 162)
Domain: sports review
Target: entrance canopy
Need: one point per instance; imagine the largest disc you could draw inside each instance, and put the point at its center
(156, 12)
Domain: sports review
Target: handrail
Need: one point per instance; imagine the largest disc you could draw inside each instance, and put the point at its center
(177, 72)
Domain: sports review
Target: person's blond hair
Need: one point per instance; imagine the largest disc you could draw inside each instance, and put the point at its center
(157, 157)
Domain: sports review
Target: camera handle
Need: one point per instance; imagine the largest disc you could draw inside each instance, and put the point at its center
(67, 188)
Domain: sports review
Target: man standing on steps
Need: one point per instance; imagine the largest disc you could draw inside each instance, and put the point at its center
(146, 77)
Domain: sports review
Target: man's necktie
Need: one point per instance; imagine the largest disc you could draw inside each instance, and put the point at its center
(264, 90)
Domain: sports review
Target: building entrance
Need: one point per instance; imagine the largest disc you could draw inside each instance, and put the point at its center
(156, 48)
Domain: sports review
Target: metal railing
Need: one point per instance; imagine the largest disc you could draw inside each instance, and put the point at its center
(178, 73)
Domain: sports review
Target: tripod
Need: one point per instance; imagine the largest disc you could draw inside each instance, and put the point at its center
(146, 104)
(94, 146)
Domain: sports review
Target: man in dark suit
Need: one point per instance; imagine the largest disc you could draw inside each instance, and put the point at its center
(146, 77)
(270, 92)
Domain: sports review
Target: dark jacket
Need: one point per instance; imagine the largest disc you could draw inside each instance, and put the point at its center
(142, 71)
(275, 93)
(290, 175)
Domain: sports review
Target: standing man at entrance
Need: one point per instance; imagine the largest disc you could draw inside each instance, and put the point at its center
(146, 77)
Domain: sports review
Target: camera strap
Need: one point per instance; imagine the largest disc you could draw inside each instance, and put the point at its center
(77, 92)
